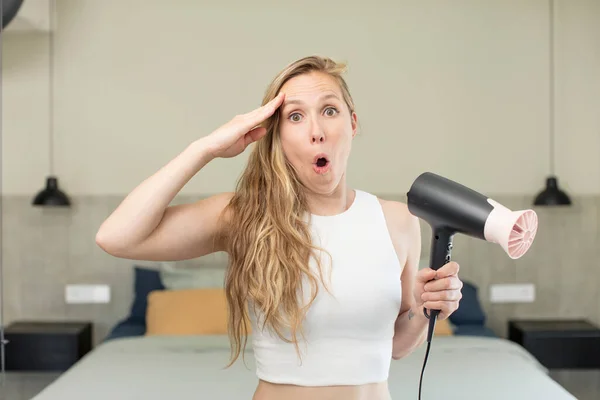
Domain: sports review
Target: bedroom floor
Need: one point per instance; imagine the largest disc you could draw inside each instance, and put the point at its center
(583, 384)
(24, 386)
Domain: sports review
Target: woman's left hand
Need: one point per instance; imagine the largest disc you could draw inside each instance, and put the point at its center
(439, 290)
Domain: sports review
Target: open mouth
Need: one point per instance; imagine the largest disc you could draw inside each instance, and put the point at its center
(321, 163)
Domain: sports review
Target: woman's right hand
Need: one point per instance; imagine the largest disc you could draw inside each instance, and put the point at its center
(146, 227)
(232, 138)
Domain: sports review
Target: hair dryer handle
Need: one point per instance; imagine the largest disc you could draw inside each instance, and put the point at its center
(441, 252)
(441, 248)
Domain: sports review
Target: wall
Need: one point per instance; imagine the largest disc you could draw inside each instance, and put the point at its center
(43, 251)
(438, 86)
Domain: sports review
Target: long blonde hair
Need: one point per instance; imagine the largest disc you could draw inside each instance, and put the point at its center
(269, 241)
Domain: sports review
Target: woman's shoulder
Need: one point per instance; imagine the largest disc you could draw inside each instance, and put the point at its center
(399, 218)
(404, 229)
(395, 211)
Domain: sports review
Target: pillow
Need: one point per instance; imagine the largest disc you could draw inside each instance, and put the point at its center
(443, 328)
(187, 312)
(127, 328)
(146, 280)
(469, 310)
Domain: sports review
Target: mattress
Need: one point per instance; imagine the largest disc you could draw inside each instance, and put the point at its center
(192, 367)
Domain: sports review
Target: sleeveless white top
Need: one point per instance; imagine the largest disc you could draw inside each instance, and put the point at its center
(348, 335)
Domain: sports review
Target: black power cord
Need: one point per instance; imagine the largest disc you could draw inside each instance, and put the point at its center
(424, 363)
(432, 319)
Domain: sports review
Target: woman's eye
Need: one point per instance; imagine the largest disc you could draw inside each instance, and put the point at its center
(329, 111)
(331, 108)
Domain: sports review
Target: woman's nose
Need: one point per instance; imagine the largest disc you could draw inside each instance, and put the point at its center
(317, 133)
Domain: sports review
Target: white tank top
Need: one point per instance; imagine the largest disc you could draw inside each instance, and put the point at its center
(348, 335)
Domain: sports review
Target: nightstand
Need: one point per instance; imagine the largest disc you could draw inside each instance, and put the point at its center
(558, 344)
(46, 345)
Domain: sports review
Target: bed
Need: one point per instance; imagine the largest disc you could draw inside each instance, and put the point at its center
(472, 363)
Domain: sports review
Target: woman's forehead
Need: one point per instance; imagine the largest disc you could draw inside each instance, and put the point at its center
(310, 88)
(314, 83)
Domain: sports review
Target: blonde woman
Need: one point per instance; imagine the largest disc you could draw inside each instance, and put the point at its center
(327, 275)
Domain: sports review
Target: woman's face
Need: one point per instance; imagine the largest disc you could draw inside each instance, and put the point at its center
(316, 129)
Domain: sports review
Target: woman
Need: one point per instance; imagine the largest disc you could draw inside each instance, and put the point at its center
(326, 275)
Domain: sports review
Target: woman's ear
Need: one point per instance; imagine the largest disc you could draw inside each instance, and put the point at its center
(354, 123)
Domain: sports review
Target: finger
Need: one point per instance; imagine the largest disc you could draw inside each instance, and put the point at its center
(254, 118)
(254, 135)
(449, 283)
(261, 113)
(448, 269)
(442, 295)
(425, 275)
(445, 307)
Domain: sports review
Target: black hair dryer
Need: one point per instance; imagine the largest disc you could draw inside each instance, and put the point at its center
(450, 208)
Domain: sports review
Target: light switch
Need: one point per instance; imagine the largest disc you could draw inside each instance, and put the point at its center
(83, 294)
(512, 293)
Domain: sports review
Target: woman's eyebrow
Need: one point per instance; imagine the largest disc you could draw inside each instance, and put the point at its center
(300, 102)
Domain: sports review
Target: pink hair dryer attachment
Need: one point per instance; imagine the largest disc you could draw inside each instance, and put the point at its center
(450, 208)
(514, 231)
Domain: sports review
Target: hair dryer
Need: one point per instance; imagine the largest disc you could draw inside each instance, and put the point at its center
(450, 208)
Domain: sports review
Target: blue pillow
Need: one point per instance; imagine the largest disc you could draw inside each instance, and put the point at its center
(469, 310)
(128, 327)
(146, 280)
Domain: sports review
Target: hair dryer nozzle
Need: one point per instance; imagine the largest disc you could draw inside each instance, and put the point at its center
(514, 231)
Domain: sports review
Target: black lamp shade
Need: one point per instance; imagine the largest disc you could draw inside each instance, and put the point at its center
(552, 195)
(51, 196)
(10, 8)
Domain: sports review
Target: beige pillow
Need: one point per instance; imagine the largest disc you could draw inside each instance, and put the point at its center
(187, 312)
(443, 328)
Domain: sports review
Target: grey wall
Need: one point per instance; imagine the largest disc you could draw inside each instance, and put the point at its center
(44, 250)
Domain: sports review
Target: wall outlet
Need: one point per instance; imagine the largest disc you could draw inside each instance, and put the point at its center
(83, 294)
(512, 293)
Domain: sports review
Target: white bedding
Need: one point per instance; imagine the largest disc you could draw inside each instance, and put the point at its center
(152, 368)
